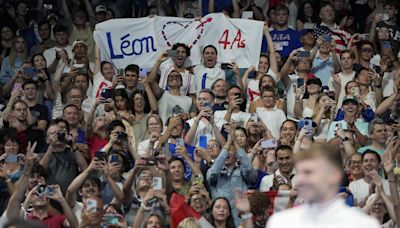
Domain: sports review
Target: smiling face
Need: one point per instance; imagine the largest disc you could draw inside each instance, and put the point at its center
(199, 203)
(350, 108)
(210, 57)
(220, 210)
(6, 33)
(288, 131)
(263, 64)
(213, 148)
(174, 79)
(370, 163)
(308, 10)
(71, 115)
(313, 88)
(145, 180)
(355, 165)
(268, 99)
(153, 222)
(44, 31)
(131, 79)
(285, 161)
(154, 125)
(39, 62)
(138, 103)
(89, 188)
(219, 89)
(267, 81)
(75, 97)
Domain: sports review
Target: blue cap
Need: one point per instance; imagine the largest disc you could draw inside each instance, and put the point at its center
(305, 31)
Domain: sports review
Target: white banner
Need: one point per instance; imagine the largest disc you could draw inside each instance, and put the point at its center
(141, 40)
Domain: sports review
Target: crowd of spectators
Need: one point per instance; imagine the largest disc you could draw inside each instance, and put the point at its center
(83, 144)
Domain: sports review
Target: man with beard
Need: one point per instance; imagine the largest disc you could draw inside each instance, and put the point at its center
(170, 63)
(378, 131)
(350, 122)
(284, 157)
(220, 90)
(86, 185)
(362, 188)
(319, 175)
(171, 101)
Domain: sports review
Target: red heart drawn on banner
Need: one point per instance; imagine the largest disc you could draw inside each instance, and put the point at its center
(184, 26)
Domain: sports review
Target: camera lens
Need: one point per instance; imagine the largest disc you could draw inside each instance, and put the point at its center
(61, 136)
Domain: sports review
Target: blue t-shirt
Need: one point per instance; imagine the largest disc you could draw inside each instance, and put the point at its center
(284, 41)
(190, 149)
(218, 5)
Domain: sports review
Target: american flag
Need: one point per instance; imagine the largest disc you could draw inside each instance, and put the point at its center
(321, 30)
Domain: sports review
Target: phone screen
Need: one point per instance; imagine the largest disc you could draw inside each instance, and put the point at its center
(12, 158)
(157, 183)
(17, 86)
(300, 82)
(203, 141)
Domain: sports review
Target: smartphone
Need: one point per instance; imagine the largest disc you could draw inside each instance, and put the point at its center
(49, 191)
(331, 94)
(300, 82)
(238, 95)
(172, 53)
(225, 66)
(157, 183)
(203, 141)
(122, 136)
(247, 14)
(102, 156)
(308, 126)
(17, 86)
(179, 142)
(61, 137)
(385, 17)
(143, 72)
(12, 158)
(110, 219)
(207, 106)
(150, 161)
(303, 54)
(82, 70)
(363, 36)
(269, 144)
(254, 117)
(120, 72)
(48, 6)
(355, 91)
(338, 126)
(30, 71)
(114, 158)
(106, 93)
(327, 38)
(386, 44)
(176, 110)
(91, 205)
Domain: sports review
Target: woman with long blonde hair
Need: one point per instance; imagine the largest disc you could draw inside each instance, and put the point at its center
(12, 63)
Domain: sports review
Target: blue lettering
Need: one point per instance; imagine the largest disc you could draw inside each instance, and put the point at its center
(109, 41)
(137, 46)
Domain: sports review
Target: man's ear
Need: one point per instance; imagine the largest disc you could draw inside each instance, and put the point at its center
(80, 192)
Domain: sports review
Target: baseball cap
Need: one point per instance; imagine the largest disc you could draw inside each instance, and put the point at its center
(314, 80)
(100, 8)
(52, 15)
(350, 98)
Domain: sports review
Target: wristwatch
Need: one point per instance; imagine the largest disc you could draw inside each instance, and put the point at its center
(211, 162)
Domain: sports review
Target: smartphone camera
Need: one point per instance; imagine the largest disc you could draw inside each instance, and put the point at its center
(61, 136)
(122, 136)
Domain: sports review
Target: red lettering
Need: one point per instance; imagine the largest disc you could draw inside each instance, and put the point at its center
(225, 38)
(238, 39)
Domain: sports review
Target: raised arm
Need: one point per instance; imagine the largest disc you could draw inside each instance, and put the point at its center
(109, 171)
(181, 150)
(236, 9)
(284, 73)
(69, 214)
(211, 7)
(152, 78)
(14, 204)
(150, 95)
(89, 10)
(67, 15)
(245, 78)
(273, 62)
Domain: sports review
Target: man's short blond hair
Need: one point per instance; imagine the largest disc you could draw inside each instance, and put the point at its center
(321, 150)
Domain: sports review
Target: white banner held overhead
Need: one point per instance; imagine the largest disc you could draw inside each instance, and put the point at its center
(141, 40)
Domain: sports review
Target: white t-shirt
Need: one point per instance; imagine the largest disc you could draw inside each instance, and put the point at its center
(78, 210)
(167, 103)
(360, 189)
(50, 54)
(253, 91)
(240, 117)
(205, 77)
(334, 214)
(204, 128)
(268, 181)
(344, 79)
(307, 111)
(272, 119)
(323, 128)
(166, 68)
(388, 83)
(370, 100)
(99, 82)
(291, 95)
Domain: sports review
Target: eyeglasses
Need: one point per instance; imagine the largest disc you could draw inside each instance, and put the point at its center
(355, 162)
(212, 146)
